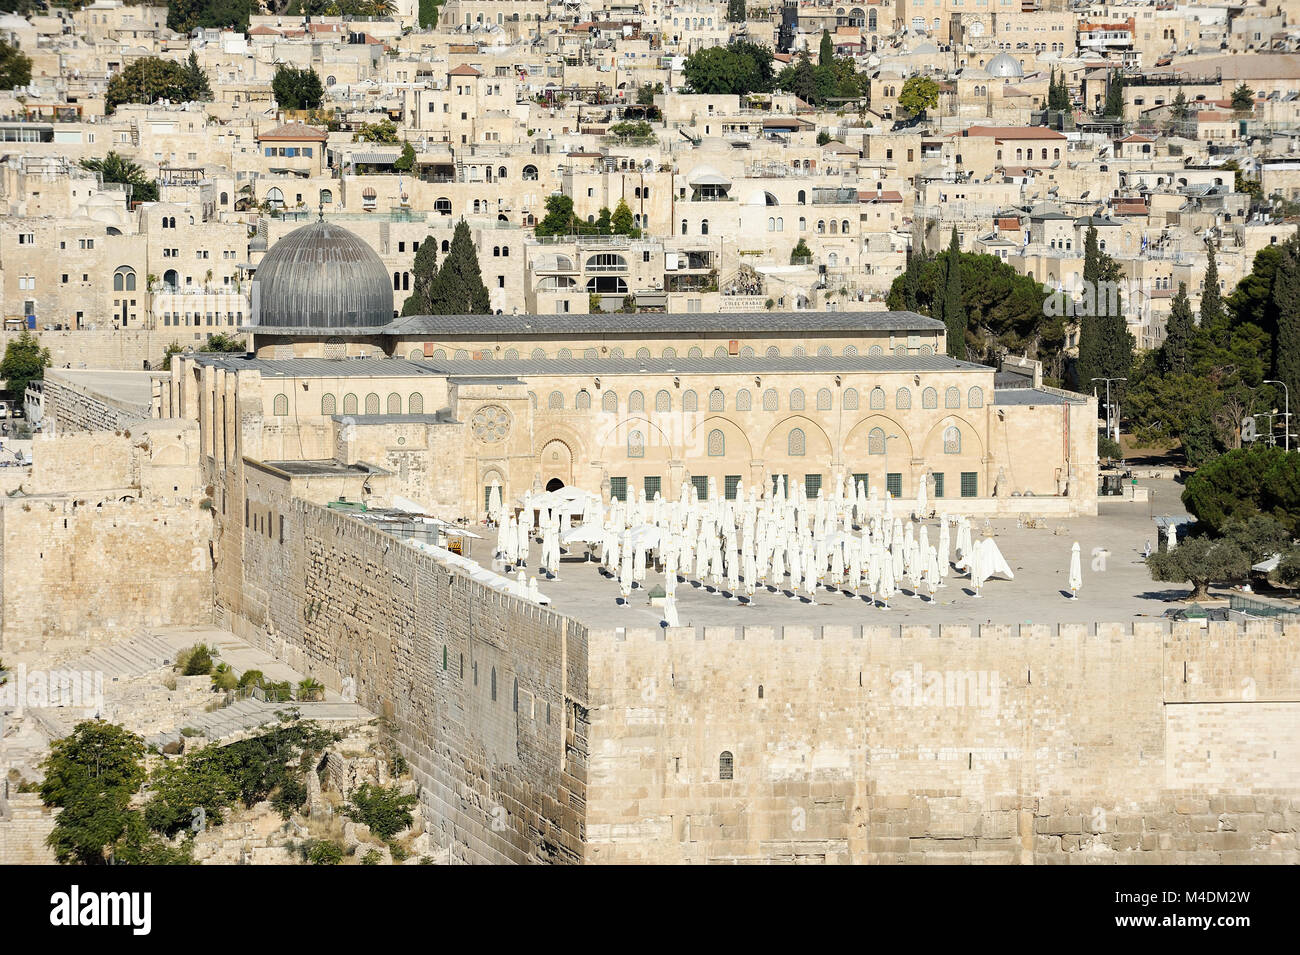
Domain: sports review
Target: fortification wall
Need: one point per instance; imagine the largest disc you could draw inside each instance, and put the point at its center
(70, 408)
(87, 570)
(487, 693)
(1029, 744)
(120, 349)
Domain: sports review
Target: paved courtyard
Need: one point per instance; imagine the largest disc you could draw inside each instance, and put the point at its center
(1116, 583)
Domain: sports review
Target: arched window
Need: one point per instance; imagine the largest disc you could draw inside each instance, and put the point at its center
(802, 198)
(716, 400)
(952, 398)
(743, 399)
(695, 352)
(850, 399)
(704, 227)
(124, 279)
(903, 398)
(796, 443)
(720, 351)
(327, 405)
(643, 353)
(875, 351)
(530, 173)
(663, 401)
(349, 404)
(796, 400)
(538, 354)
(975, 397)
(726, 766)
(280, 406)
(394, 403)
(850, 351)
(609, 402)
(952, 440)
(876, 441)
(372, 403)
(717, 444)
(636, 403)
(415, 404)
(877, 402)
(690, 402)
(824, 399)
(773, 352)
(669, 353)
(929, 398)
(635, 444)
(582, 400)
(564, 354)
(555, 401)
(871, 20)
(844, 227)
(769, 400)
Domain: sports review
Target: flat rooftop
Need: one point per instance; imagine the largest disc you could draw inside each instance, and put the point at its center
(624, 324)
(128, 389)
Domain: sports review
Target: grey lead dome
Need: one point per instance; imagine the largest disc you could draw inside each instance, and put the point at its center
(322, 276)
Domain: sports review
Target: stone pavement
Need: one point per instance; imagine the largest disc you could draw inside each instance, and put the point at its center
(1116, 583)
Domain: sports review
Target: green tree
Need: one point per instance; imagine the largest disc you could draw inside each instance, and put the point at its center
(222, 342)
(1058, 93)
(184, 15)
(918, 94)
(150, 79)
(826, 52)
(383, 808)
(736, 11)
(1286, 308)
(460, 288)
(1114, 95)
(406, 161)
(15, 67)
(296, 88)
(953, 308)
(1200, 561)
(1179, 106)
(1243, 99)
(197, 88)
(428, 14)
(1178, 334)
(25, 361)
(800, 254)
(739, 68)
(1238, 485)
(559, 218)
(424, 279)
(384, 131)
(173, 349)
(92, 775)
(622, 221)
(823, 137)
(1212, 313)
(117, 168)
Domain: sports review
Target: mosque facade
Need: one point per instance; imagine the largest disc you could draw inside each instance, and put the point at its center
(436, 409)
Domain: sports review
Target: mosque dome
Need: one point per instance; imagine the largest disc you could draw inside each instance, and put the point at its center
(1006, 66)
(322, 276)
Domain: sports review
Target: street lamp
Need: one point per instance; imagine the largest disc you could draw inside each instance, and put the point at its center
(1114, 436)
(1286, 411)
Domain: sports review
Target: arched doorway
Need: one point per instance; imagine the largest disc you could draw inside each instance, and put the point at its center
(554, 484)
(556, 463)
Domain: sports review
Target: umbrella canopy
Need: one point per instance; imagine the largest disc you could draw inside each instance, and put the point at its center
(1076, 570)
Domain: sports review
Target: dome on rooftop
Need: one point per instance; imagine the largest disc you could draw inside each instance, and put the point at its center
(322, 276)
(1006, 66)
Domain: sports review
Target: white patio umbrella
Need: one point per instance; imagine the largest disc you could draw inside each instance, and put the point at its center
(494, 501)
(921, 499)
(670, 575)
(933, 576)
(670, 612)
(885, 590)
(1076, 572)
(522, 538)
(945, 545)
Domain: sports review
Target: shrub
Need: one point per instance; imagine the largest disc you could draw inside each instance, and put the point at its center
(383, 808)
(223, 678)
(324, 852)
(196, 661)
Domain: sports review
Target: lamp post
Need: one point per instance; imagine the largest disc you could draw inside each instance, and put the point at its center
(1115, 435)
(1286, 412)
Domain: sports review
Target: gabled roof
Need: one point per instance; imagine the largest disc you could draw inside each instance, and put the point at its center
(463, 70)
(295, 132)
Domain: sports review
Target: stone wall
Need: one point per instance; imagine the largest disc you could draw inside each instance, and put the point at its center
(24, 825)
(119, 349)
(487, 693)
(86, 570)
(68, 407)
(1033, 744)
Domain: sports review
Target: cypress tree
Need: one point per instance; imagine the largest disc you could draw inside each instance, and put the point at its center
(460, 289)
(1089, 361)
(1178, 334)
(1286, 302)
(1211, 301)
(424, 276)
(826, 53)
(954, 310)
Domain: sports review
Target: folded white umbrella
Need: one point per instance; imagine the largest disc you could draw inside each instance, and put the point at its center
(1076, 571)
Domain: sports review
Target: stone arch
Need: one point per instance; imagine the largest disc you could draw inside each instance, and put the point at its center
(737, 446)
(898, 449)
(817, 443)
(972, 446)
(657, 440)
(555, 461)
